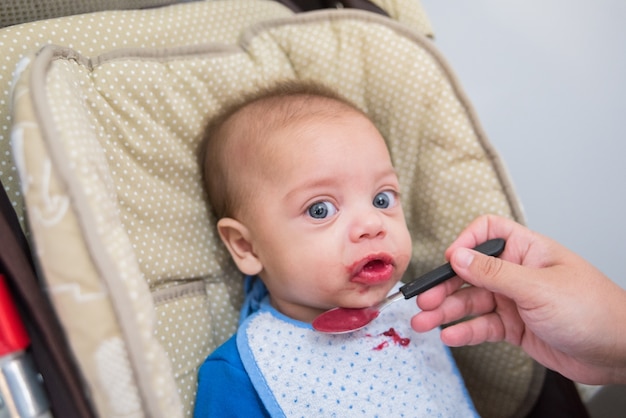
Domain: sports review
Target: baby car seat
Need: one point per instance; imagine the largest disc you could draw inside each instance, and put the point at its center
(105, 123)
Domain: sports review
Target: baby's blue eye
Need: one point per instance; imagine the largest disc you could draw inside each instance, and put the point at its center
(321, 210)
(384, 200)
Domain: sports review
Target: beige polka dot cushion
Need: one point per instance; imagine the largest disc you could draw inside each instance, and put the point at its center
(13, 12)
(182, 24)
(105, 146)
(95, 33)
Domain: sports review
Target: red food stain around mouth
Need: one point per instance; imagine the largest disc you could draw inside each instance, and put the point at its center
(372, 270)
(395, 337)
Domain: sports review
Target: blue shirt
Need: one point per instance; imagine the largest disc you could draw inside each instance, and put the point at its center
(224, 388)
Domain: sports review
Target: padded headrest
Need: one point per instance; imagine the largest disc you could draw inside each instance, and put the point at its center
(106, 152)
(92, 34)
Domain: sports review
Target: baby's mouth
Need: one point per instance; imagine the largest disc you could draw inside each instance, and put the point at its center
(372, 270)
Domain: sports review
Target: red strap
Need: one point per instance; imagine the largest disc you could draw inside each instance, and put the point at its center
(13, 335)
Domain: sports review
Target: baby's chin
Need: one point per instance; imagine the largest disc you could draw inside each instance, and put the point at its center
(372, 296)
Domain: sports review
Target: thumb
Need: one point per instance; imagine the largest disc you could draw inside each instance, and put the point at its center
(491, 273)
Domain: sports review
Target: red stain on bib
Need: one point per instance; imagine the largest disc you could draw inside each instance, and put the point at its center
(395, 337)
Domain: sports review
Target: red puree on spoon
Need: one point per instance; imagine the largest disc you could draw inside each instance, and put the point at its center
(341, 320)
(344, 319)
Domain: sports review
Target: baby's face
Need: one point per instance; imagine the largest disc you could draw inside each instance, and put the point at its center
(327, 223)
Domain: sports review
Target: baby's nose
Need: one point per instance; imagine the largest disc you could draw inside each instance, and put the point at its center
(368, 225)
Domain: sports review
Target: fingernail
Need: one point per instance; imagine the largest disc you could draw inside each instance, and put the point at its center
(464, 257)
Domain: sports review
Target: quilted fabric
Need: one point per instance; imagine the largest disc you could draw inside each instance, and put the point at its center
(13, 12)
(95, 33)
(106, 153)
(182, 24)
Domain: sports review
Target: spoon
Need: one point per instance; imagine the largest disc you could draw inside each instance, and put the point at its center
(342, 320)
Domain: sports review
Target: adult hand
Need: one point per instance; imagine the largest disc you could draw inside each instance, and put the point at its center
(538, 295)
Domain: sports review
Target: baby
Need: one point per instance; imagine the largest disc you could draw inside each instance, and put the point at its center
(308, 205)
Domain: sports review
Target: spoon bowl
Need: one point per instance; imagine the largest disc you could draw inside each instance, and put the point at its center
(343, 320)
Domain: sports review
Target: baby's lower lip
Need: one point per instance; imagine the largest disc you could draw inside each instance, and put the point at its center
(374, 272)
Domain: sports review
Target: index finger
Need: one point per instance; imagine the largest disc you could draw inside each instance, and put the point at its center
(482, 229)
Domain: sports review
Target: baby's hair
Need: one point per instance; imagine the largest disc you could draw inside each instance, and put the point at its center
(254, 115)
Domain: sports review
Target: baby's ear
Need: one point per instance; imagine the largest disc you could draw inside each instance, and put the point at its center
(236, 237)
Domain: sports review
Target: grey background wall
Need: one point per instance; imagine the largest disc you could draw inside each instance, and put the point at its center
(548, 80)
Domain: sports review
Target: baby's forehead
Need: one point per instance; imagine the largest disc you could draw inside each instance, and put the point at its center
(295, 107)
(265, 116)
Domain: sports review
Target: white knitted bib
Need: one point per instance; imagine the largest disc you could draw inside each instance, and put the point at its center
(299, 372)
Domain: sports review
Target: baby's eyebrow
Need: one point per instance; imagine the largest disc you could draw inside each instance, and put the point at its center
(327, 182)
(313, 184)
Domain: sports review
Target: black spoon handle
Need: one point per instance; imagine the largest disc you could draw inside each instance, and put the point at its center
(493, 247)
